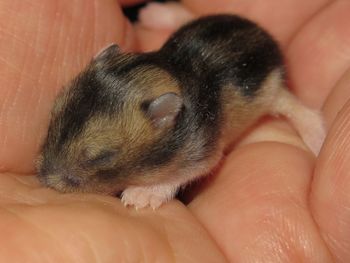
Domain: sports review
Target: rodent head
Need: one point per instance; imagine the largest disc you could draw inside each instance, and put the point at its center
(105, 121)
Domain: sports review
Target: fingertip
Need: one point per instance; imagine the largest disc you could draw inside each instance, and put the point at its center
(150, 39)
(330, 190)
(337, 98)
(316, 54)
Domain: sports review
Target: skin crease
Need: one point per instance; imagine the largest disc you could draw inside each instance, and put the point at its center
(264, 204)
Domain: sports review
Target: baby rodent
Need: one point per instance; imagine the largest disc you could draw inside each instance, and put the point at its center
(147, 124)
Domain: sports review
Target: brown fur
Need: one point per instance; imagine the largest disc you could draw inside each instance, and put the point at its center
(131, 132)
(240, 112)
(106, 132)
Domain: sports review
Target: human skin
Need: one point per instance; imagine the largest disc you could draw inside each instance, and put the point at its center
(266, 203)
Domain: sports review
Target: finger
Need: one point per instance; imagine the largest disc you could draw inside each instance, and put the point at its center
(281, 18)
(337, 99)
(157, 21)
(149, 39)
(330, 192)
(256, 208)
(42, 51)
(91, 228)
(319, 54)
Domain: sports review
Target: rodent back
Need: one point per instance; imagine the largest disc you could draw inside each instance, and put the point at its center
(215, 58)
(224, 49)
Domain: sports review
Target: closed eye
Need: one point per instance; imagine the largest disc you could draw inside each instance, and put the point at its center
(103, 158)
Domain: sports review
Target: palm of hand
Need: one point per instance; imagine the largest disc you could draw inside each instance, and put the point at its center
(262, 207)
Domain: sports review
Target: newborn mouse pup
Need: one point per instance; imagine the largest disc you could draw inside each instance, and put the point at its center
(147, 124)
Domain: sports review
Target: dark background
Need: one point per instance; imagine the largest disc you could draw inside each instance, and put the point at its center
(132, 11)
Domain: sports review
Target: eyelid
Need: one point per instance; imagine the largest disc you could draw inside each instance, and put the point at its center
(102, 158)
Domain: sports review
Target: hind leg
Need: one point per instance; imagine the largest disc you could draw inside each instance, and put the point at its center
(279, 101)
(166, 16)
(308, 122)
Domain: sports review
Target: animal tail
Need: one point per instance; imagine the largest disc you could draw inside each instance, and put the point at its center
(308, 122)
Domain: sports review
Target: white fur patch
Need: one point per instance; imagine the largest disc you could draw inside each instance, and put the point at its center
(153, 196)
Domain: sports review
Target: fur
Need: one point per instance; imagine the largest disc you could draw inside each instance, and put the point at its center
(225, 70)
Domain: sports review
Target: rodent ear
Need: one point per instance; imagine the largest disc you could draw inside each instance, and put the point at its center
(107, 52)
(163, 110)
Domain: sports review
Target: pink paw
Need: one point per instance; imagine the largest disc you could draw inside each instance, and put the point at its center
(153, 196)
(164, 16)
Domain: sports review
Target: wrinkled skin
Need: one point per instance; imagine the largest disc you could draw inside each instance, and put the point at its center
(265, 204)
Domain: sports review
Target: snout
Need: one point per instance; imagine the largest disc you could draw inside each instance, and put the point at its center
(60, 179)
(64, 182)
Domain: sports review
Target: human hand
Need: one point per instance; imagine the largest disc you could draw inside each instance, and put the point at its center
(258, 207)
